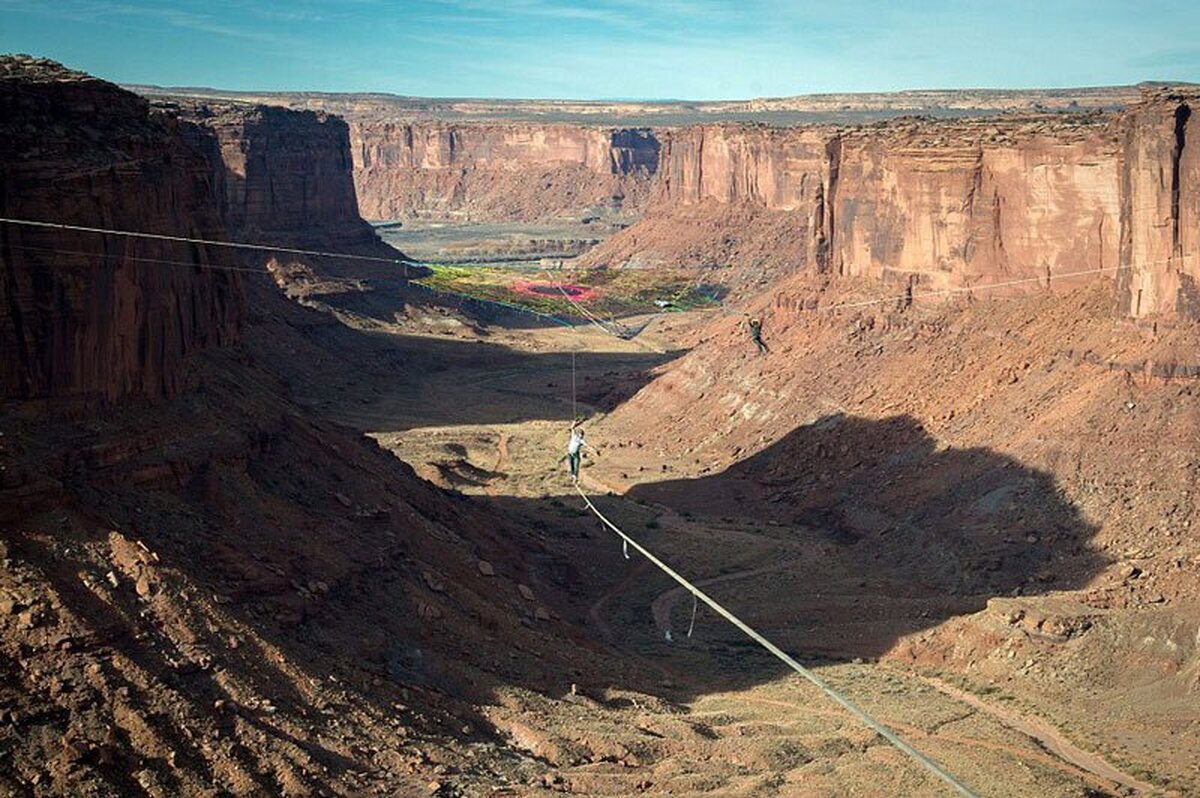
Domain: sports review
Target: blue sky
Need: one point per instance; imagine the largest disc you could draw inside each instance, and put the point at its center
(588, 49)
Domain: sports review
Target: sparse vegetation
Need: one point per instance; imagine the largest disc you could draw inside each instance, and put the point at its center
(618, 292)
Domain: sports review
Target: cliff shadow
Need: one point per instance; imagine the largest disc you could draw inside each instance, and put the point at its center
(388, 301)
(835, 542)
(272, 575)
(376, 380)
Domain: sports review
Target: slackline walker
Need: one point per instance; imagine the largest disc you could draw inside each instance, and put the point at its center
(699, 595)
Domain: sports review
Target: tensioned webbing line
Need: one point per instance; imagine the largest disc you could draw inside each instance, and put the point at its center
(875, 725)
(247, 270)
(138, 259)
(206, 241)
(888, 735)
(883, 731)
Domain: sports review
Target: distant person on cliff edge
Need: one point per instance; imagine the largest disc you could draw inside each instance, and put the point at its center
(755, 326)
(575, 447)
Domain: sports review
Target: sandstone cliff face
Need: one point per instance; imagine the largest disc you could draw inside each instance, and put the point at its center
(1160, 241)
(946, 204)
(950, 208)
(781, 169)
(97, 317)
(748, 196)
(280, 176)
(498, 172)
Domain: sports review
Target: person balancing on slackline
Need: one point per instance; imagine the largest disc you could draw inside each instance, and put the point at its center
(755, 327)
(575, 446)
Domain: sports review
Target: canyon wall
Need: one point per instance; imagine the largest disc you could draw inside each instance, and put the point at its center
(748, 197)
(100, 317)
(779, 168)
(280, 176)
(945, 204)
(1160, 235)
(498, 172)
(953, 205)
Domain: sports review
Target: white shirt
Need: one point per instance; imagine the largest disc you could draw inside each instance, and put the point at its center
(576, 443)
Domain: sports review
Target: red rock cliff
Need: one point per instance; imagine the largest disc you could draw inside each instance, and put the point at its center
(1160, 239)
(100, 317)
(779, 168)
(498, 172)
(280, 175)
(946, 203)
(973, 204)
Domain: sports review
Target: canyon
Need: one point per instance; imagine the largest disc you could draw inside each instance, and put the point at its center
(498, 172)
(276, 521)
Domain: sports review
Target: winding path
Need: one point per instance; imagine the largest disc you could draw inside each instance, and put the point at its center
(1047, 736)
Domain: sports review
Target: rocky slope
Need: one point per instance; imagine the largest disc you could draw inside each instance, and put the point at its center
(1029, 462)
(94, 318)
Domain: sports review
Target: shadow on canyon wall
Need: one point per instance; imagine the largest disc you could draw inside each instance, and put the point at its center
(381, 381)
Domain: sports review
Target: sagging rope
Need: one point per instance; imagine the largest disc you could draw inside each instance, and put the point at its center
(206, 241)
(698, 594)
(413, 284)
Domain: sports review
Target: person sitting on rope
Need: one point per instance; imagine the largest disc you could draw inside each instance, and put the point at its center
(575, 447)
(755, 326)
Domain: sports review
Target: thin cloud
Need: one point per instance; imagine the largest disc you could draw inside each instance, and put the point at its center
(148, 16)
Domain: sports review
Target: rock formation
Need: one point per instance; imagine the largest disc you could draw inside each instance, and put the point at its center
(1160, 209)
(280, 175)
(1028, 199)
(956, 205)
(946, 204)
(87, 316)
(493, 172)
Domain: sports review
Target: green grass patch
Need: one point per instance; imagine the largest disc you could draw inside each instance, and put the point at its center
(618, 292)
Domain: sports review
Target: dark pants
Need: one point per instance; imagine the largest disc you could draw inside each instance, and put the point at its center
(762, 348)
(573, 460)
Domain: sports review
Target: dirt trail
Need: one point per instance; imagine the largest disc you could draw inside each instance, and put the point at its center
(665, 603)
(913, 731)
(1049, 737)
(594, 612)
